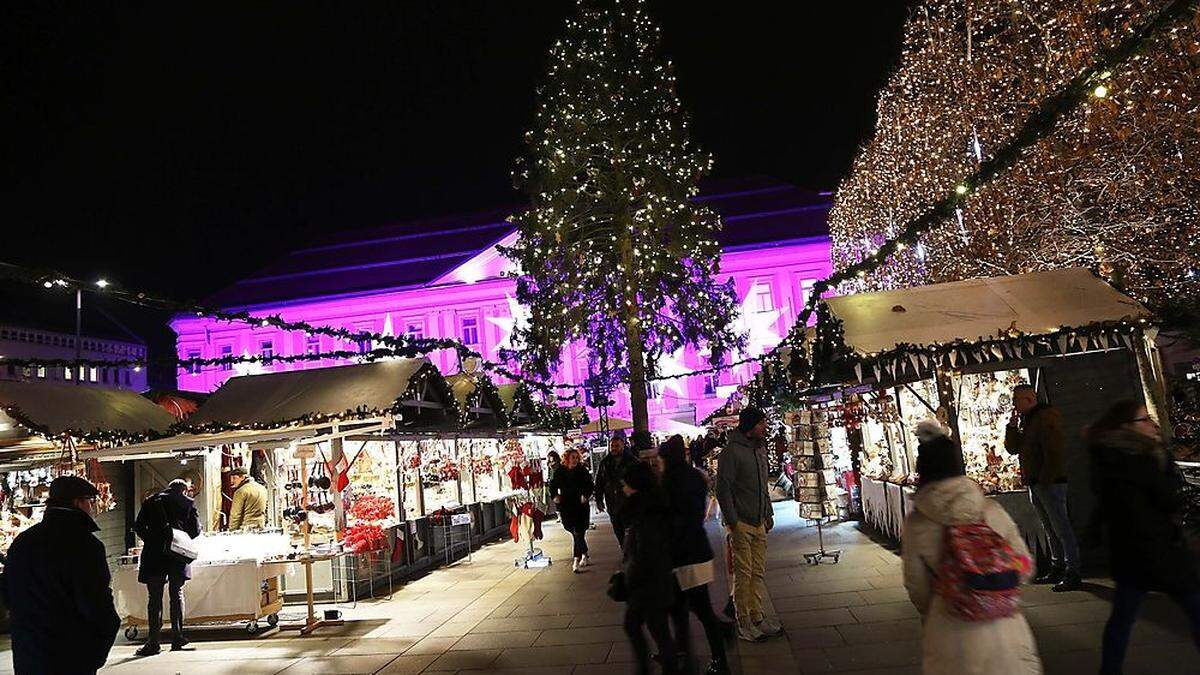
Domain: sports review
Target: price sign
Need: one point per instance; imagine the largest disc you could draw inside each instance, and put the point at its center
(460, 519)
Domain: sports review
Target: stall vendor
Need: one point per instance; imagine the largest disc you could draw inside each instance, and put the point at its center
(249, 510)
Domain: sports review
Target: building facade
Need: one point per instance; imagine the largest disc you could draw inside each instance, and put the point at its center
(445, 278)
(28, 343)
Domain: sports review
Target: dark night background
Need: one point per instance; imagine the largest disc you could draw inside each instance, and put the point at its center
(174, 149)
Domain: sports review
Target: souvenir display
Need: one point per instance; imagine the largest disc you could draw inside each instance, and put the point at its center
(984, 408)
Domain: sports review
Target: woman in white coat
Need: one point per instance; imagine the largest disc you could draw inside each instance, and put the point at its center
(945, 496)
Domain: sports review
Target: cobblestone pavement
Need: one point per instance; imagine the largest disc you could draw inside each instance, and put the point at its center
(487, 616)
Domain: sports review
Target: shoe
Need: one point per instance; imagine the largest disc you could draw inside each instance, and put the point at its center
(750, 633)
(1070, 582)
(769, 627)
(585, 561)
(148, 649)
(575, 566)
(717, 667)
(181, 645)
(1051, 576)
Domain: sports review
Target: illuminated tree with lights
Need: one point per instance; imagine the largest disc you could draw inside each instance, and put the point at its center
(612, 251)
(1113, 188)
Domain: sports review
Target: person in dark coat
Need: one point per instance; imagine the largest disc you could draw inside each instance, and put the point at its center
(571, 489)
(1034, 434)
(161, 513)
(57, 587)
(647, 566)
(609, 493)
(1138, 488)
(686, 489)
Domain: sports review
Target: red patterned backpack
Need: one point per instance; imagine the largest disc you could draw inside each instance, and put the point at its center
(980, 574)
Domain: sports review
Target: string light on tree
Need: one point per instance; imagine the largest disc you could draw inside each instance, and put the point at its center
(611, 239)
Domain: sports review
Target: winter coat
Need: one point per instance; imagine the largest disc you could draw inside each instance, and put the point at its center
(1039, 443)
(742, 482)
(159, 514)
(608, 481)
(57, 588)
(249, 509)
(1139, 490)
(687, 492)
(952, 646)
(646, 551)
(575, 487)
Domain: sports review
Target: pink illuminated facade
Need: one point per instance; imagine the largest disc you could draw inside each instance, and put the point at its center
(444, 279)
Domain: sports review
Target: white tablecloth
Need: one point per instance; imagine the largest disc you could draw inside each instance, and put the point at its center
(232, 589)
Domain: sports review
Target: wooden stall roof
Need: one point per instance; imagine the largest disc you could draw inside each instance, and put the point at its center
(58, 407)
(274, 398)
(1034, 303)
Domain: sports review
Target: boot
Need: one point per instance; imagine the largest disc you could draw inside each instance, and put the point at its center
(1070, 582)
(1050, 576)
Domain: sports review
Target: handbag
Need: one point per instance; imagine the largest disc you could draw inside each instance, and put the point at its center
(698, 574)
(180, 547)
(617, 590)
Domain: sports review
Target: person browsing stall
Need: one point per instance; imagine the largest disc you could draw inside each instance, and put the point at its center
(249, 510)
(162, 512)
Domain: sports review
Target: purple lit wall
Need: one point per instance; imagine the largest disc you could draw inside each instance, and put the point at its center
(472, 303)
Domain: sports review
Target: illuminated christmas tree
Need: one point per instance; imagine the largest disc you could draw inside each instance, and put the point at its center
(612, 251)
(1112, 188)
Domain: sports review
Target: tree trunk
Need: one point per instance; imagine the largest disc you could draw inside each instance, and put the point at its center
(633, 340)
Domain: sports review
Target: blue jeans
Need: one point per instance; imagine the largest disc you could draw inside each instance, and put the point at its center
(1050, 502)
(1126, 601)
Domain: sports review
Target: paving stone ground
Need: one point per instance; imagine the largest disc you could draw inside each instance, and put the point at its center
(487, 616)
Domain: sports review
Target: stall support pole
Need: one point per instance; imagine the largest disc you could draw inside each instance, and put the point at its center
(311, 622)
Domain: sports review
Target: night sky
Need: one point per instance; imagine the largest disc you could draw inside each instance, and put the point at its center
(174, 149)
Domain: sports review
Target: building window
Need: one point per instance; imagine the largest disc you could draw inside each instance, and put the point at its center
(125, 377)
(469, 330)
(12, 370)
(93, 374)
(266, 349)
(104, 375)
(67, 373)
(41, 372)
(312, 345)
(761, 299)
(193, 368)
(415, 330)
(226, 352)
(711, 381)
(364, 346)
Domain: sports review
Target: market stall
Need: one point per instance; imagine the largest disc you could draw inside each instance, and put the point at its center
(954, 351)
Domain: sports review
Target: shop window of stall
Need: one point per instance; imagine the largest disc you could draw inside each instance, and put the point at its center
(984, 402)
(917, 401)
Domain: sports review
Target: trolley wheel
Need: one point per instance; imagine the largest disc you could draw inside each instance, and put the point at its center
(252, 627)
(272, 620)
(131, 632)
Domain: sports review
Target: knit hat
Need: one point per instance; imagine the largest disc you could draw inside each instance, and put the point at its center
(749, 417)
(927, 430)
(639, 476)
(66, 489)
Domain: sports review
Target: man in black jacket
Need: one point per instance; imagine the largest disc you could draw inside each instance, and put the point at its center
(161, 513)
(57, 587)
(609, 494)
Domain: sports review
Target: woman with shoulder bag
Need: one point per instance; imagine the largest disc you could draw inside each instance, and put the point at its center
(571, 489)
(691, 554)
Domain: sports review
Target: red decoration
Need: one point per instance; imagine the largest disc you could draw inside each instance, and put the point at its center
(372, 508)
(365, 537)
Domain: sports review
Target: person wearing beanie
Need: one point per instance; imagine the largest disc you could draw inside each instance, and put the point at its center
(57, 587)
(743, 493)
(945, 497)
(646, 564)
(686, 488)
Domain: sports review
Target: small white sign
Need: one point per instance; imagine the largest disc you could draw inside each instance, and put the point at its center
(460, 519)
